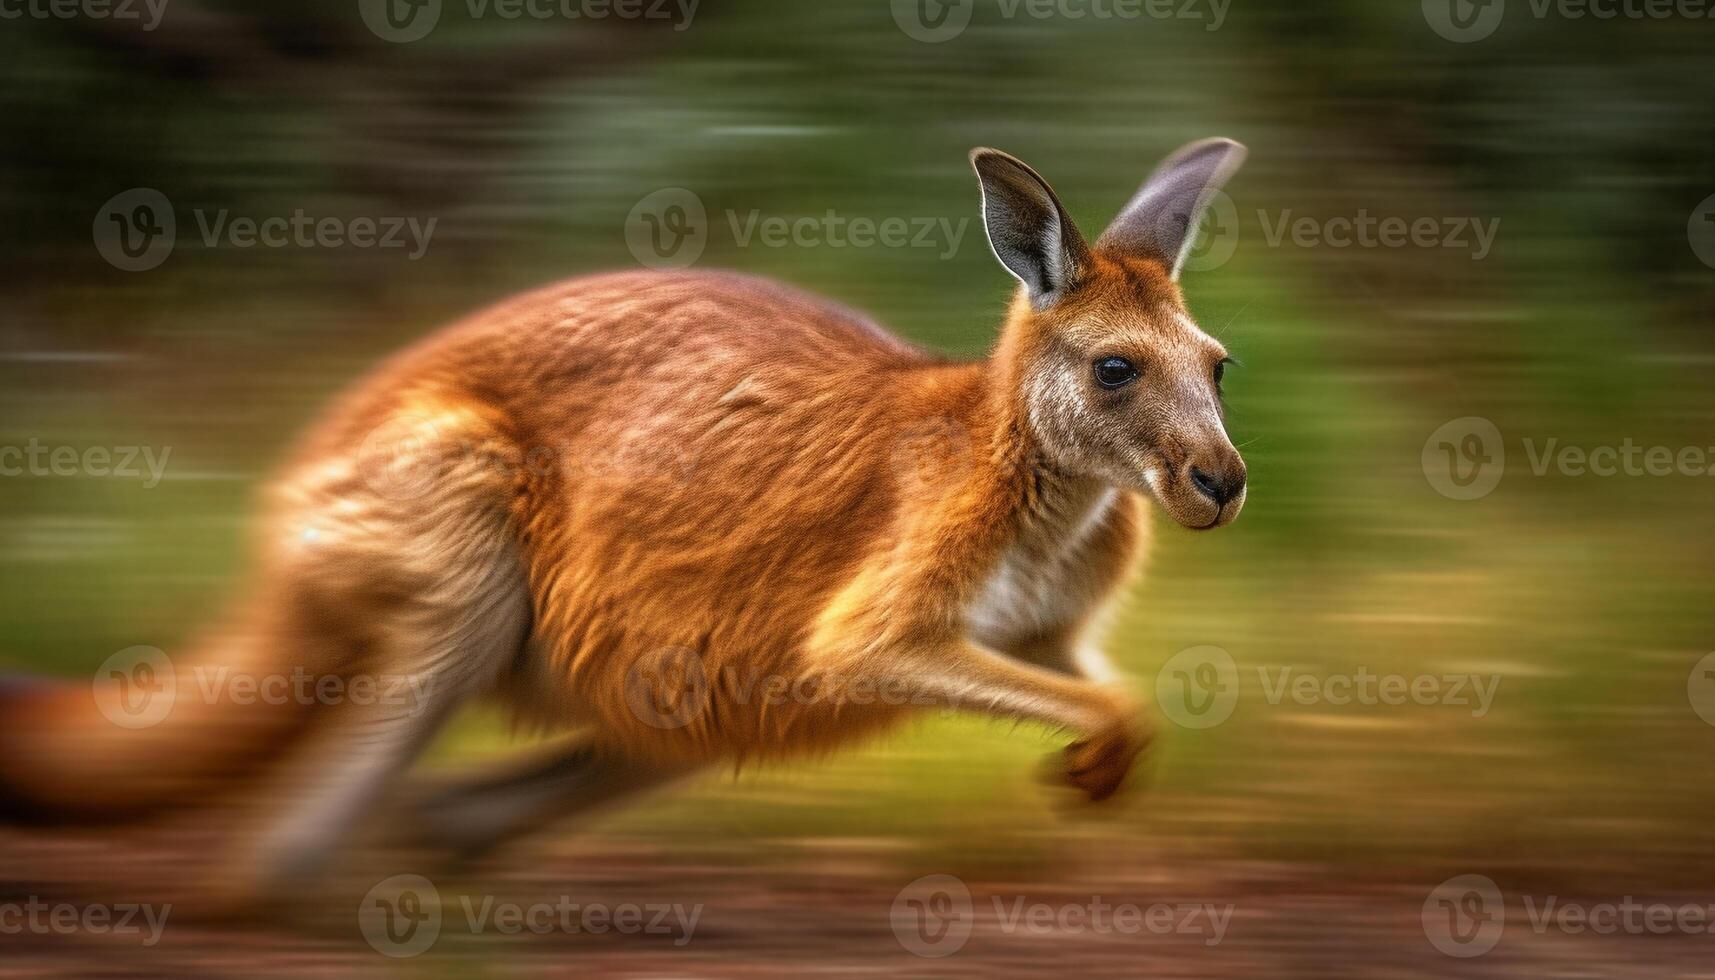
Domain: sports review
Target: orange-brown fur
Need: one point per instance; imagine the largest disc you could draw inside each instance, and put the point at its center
(574, 498)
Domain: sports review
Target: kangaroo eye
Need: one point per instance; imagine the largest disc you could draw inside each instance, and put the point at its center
(1221, 369)
(1115, 372)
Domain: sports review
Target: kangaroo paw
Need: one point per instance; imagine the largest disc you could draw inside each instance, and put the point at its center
(1098, 766)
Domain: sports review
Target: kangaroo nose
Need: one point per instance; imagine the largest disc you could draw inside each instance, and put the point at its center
(1220, 489)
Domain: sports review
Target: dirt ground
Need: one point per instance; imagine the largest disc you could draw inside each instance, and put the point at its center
(836, 909)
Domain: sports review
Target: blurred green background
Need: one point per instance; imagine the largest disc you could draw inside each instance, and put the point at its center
(531, 141)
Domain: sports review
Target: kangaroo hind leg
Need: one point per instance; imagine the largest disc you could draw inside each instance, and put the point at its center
(422, 584)
(572, 778)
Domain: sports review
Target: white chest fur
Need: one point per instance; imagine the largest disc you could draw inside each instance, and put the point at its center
(1038, 586)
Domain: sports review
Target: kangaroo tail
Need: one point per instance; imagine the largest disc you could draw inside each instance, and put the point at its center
(140, 739)
(16, 806)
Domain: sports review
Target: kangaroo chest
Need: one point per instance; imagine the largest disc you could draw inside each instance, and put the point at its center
(1040, 583)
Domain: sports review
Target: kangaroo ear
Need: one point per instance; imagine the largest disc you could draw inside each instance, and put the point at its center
(1028, 228)
(1161, 221)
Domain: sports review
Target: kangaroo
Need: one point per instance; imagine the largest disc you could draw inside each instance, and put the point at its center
(689, 518)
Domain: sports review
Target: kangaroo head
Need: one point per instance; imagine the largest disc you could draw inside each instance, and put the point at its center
(1107, 368)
